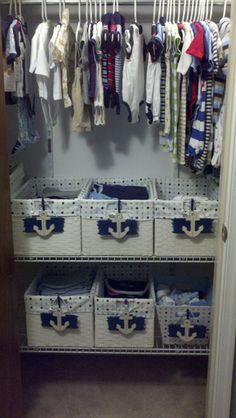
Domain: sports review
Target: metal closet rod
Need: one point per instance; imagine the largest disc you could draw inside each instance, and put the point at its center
(110, 2)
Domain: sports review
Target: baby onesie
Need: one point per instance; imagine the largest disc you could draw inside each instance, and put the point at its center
(133, 72)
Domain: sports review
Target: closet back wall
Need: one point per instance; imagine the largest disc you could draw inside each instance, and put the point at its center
(118, 149)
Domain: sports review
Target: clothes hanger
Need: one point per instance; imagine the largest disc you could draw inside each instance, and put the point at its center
(79, 12)
(178, 16)
(195, 10)
(42, 11)
(192, 11)
(211, 10)
(159, 11)
(167, 10)
(184, 11)
(100, 10)
(86, 11)
(224, 9)
(20, 10)
(154, 11)
(90, 11)
(163, 8)
(199, 10)
(173, 17)
(207, 9)
(95, 11)
(105, 7)
(135, 11)
(188, 11)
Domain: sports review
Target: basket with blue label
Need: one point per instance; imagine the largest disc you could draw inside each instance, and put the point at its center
(186, 214)
(46, 217)
(124, 307)
(184, 310)
(59, 307)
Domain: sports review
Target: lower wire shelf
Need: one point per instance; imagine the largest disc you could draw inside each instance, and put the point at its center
(160, 349)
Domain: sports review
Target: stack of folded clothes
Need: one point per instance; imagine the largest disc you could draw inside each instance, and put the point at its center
(126, 289)
(60, 285)
(117, 191)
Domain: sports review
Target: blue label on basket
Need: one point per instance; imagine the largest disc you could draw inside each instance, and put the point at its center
(50, 224)
(109, 227)
(203, 225)
(59, 321)
(175, 329)
(117, 323)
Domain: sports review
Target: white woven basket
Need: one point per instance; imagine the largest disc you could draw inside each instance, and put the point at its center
(140, 210)
(26, 204)
(81, 306)
(177, 315)
(109, 307)
(174, 201)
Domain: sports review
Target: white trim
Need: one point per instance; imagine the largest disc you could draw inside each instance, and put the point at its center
(224, 324)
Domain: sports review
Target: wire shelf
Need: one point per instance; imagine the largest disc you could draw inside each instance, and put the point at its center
(112, 259)
(161, 349)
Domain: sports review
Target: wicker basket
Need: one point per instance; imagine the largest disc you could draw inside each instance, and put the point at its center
(186, 213)
(117, 319)
(72, 308)
(27, 207)
(186, 324)
(140, 212)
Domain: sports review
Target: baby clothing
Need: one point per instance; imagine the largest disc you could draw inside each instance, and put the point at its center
(133, 72)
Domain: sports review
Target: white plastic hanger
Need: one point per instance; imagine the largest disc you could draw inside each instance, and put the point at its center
(184, 11)
(174, 11)
(188, 11)
(224, 9)
(135, 11)
(192, 11)
(211, 10)
(167, 10)
(90, 11)
(100, 10)
(154, 11)
(105, 6)
(178, 16)
(159, 11)
(195, 10)
(20, 9)
(163, 9)
(79, 11)
(199, 10)
(95, 11)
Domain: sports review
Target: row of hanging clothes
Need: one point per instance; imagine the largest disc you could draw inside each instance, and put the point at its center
(179, 73)
(17, 82)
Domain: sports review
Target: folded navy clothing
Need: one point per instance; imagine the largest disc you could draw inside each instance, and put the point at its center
(126, 289)
(123, 192)
(64, 286)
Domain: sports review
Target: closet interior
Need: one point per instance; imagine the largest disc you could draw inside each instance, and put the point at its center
(115, 117)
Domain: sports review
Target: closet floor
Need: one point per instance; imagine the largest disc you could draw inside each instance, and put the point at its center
(57, 386)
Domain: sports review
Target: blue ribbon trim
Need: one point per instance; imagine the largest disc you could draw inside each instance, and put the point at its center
(113, 321)
(47, 317)
(104, 225)
(199, 329)
(29, 223)
(178, 224)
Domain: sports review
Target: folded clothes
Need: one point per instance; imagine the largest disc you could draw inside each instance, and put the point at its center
(126, 289)
(94, 195)
(176, 297)
(122, 192)
(52, 193)
(64, 286)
